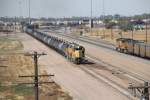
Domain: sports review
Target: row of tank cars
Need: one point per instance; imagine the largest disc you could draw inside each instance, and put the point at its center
(72, 51)
(134, 47)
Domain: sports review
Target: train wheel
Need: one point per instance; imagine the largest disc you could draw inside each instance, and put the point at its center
(125, 51)
(67, 57)
(72, 59)
(116, 49)
(122, 50)
(77, 61)
(119, 50)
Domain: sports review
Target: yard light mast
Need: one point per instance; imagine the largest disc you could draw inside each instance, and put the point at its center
(146, 32)
(29, 12)
(20, 19)
(91, 22)
(103, 18)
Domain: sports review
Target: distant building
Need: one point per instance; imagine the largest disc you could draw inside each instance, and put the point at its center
(146, 21)
(138, 24)
(98, 23)
(85, 22)
(95, 22)
(2, 23)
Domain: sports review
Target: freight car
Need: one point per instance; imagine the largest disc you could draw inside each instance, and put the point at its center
(134, 47)
(72, 51)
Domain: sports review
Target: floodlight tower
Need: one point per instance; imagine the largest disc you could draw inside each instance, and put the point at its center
(91, 21)
(103, 18)
(146, 40)
(29, 11)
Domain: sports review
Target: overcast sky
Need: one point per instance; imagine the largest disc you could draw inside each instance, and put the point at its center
(68, 8)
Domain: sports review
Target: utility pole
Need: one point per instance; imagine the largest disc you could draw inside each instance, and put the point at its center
(36, 80)
(112, 36)
(20, 3)
(20, 19)
(36, 76)
(103, 18)
(91, 8)
(2, 66)
(143, 90)
(91, 14)
(146, 32)
(132, 40)
(29, 12)
(15, 24)
(91, 19)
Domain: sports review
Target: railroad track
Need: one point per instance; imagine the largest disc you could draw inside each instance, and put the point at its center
(88, 68)
(106, 45)
(88, 40)
(132, 74)
(101, 78)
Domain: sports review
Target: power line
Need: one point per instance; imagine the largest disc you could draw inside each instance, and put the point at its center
(36, 76)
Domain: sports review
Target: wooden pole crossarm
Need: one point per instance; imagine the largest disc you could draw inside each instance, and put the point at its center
(140, 87)
(29, 54)
(38, 76)
(3, 60)
(3, 66)
(34, 83)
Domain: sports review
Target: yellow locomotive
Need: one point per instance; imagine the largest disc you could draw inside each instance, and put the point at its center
(72, 51)
(75, 53)
(124, 45)
(134, 47)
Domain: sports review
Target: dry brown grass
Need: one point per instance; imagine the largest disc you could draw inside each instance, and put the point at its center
(112, 35)
(18, 64)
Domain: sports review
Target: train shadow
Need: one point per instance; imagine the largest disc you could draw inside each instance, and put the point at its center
(87, 62)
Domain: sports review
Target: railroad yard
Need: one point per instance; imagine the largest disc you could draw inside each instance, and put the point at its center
(104, 69)
(74, 50)
(103, 72)
(110, 55)
(72, 77)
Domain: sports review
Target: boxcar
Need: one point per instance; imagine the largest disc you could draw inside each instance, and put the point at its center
(148, 51)
(137, 49)
(74, 52)
(142, 50)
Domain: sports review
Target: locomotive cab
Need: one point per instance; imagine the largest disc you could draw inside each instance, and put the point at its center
(79, 54)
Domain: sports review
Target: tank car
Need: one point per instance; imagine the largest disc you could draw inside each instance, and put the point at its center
(72, 51)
